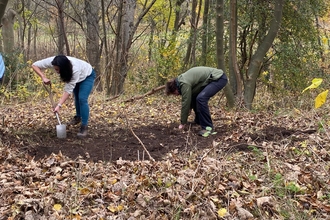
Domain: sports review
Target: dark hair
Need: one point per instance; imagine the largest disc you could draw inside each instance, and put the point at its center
(170, 87)
(65, 67)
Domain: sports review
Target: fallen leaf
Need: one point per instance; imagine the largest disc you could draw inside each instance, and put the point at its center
(57, 207)
(244, 214)
(222, 212)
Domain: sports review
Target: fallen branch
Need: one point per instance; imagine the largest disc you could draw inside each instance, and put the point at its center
(142, 145)
(112, 98)
(127, 121)
(154, 90)
(197, 169)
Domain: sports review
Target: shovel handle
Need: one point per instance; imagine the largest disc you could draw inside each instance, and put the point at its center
(49, 90)
(58, 118)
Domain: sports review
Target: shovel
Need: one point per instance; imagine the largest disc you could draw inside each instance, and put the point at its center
(60, 128)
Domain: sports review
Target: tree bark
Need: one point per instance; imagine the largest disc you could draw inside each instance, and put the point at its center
(179, 20)
(92, 37)
(190, 54)
(118, 77)
(3, 5)
(106, 49)
(62, 39)
(220, 49)
(234, 73)
(125, 31)
(257, 58)
(205, 32)
(8, 30)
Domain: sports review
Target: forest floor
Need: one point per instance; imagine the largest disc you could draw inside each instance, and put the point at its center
(135, 164)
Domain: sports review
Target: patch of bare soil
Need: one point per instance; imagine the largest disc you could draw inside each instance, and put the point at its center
(256, 166)
(110, 143)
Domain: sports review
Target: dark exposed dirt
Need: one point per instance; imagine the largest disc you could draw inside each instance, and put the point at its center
(109, 141)
(109, 144)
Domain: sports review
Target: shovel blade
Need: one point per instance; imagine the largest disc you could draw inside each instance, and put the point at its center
(61, 131)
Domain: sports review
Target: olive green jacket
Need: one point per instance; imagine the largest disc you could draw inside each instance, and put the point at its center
(191, 83)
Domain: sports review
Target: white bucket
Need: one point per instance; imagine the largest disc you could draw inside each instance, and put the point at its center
(61, 131)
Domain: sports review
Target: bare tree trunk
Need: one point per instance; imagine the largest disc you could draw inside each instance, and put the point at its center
(3, 5)
(205, 32)
(92, 37)
(234, 73)
(178, 18)
(8, 30)
(62, 39)
(151, 39)
(27, 26)
(116, 77)
(190, 57)
(106, 49)
(124, 39)
(35, 32)
(257, 58)
(220, 48)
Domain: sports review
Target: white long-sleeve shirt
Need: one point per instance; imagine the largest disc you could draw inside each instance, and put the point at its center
(80, 70)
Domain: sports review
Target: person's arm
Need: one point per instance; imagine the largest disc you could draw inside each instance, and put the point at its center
(185, 104)
(64, 97)
(41, 74)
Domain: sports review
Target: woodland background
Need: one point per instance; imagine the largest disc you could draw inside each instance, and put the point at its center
(269, 158)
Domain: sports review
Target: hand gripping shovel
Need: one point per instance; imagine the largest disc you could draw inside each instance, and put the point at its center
(60, 128)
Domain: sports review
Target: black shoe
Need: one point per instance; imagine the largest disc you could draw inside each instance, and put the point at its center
(83, 131)
(76, 120)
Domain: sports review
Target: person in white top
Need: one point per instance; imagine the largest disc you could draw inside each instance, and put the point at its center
(79, 77)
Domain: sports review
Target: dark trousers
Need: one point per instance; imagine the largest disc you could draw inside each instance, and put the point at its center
(200, 103)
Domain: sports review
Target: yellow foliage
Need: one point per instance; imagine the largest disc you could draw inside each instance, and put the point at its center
(115, 209)
(315, 83)
(321, 98)
(222, 212)
(325, 40)
(57, 207)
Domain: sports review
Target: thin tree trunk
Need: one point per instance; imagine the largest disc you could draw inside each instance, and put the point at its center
(205, 32)
(3, 5)
(62, 39)
(190, 58)
(92, 38)
(115, 80)
(124, 39)
(151, 39)
(106, 49)
(8, 30)
(257, 58)
(234, 74)
(220, 48)
(178, 19)
(35, 31)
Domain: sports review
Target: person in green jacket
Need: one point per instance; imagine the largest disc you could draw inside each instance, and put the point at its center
(197, 86)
